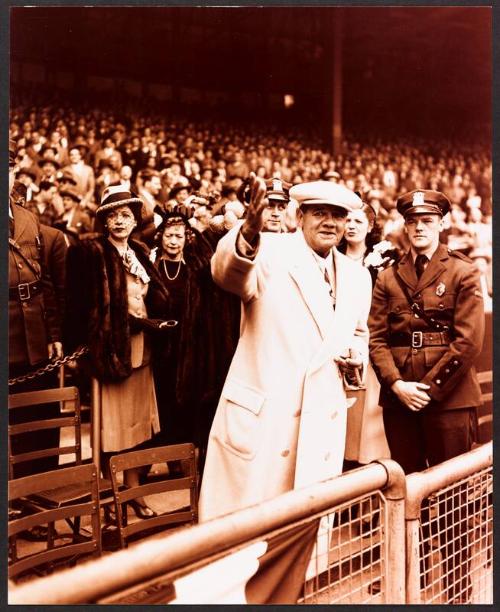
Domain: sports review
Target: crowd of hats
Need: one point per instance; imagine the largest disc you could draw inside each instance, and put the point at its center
(209, 157)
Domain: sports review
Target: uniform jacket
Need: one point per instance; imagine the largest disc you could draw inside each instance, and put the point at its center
(97, 304)
(449, 291)
(33, 323)
(54, 255)
(281, 418)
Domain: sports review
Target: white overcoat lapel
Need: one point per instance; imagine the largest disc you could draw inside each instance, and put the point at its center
(333, 343)
(307, 275)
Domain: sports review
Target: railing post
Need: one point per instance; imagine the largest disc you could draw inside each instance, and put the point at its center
(394, 493)
(95, 417)
(413, 561)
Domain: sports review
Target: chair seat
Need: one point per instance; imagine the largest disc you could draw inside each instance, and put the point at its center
(70, 494)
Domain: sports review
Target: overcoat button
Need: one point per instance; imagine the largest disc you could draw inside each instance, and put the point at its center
(416, 316)
(438, 381)
(20, 266)
(285, 453)
(441, 305)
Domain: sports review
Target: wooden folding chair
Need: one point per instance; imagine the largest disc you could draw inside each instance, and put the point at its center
(69, 417)
(163, 484)
(55, 549)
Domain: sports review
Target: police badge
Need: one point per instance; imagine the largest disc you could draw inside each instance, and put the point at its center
(440, 289)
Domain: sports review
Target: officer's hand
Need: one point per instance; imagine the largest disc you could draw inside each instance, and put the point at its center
(258, 202)
(55, 350)
(412, 394)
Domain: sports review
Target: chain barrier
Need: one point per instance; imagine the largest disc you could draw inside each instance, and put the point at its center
(53, 365)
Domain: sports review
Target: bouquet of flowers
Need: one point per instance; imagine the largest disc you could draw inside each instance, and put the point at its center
(383, 255)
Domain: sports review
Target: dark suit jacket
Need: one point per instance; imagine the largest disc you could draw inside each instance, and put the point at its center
(450, 292)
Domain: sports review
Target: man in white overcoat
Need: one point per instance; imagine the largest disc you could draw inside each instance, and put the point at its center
(281, 420)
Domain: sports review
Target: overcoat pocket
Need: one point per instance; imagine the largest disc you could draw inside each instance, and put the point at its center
(242, 406)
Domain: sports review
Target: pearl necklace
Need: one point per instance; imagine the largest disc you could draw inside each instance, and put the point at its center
(356, 258)
(171, 278)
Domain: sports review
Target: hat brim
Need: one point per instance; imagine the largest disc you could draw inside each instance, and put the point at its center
(343, 207)
(68, 194)
(42, 163)
(423, 209)
(135, 203)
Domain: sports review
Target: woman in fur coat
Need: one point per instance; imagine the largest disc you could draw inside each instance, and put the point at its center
(116, 300)
(191, 364)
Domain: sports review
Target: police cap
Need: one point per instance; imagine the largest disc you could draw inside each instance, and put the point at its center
(421, 201)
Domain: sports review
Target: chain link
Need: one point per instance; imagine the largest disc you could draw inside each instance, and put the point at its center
(57, 363)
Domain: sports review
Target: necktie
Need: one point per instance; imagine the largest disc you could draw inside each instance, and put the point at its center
(420, 264)
(330, 288)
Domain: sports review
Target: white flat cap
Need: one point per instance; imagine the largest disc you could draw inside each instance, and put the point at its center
(326, 192)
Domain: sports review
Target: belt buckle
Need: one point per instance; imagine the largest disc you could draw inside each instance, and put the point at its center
(417, 339)
(24, 291)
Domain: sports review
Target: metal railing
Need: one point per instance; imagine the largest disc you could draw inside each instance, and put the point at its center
(382, 538)
(449, 523)
(340, 504)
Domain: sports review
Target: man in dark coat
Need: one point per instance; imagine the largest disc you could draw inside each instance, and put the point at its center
(426, 331)
(34, 324)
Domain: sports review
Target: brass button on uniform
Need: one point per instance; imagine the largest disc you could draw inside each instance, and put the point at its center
(20, 266)
(438, 381)
(416, 316)
(441, 305)
(414, 351)
(285, 453)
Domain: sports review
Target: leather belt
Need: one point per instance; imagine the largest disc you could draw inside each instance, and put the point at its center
(25, 291)
(418, 339)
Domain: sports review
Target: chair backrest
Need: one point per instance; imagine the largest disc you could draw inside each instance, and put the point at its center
(69, 417)
(147, 457)
(57, 546)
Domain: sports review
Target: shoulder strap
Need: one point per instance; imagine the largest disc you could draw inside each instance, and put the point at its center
(416, 308)
(33, 267)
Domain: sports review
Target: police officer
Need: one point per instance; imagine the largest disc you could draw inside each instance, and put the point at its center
(426, 331)
(34, 325)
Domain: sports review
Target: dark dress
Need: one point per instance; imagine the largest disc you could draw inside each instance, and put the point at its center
(190, 364)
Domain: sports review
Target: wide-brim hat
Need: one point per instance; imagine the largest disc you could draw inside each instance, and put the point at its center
(423, 201)
(115, 196)
(26, 171)
(49, 160)
(70, 193)
(67, 177)
(327, 193)
(178, 187)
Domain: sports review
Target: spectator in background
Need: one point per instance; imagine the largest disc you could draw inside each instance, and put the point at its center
(83, 175)
(27, 177)
(44, 205)
(74, 221)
